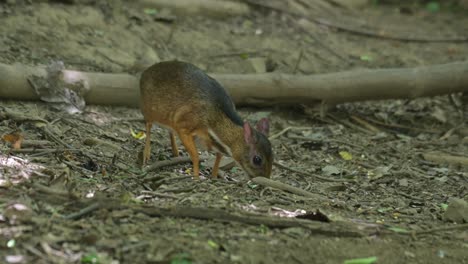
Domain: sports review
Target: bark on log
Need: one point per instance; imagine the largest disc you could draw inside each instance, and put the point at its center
(266, 89)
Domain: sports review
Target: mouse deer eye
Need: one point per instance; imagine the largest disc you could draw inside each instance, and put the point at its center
(257, 160)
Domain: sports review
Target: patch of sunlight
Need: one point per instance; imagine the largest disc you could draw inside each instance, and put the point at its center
(14, 170)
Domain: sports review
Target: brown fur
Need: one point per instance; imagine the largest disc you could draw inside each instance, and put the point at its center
(181, 97)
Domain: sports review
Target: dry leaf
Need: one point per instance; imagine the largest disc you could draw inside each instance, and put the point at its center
(15, 139)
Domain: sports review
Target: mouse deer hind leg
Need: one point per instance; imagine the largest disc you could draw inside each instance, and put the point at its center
(214, 172)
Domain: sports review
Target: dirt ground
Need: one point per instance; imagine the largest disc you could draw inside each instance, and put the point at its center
(368, 164)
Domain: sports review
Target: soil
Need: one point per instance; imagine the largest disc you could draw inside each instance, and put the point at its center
(366, 163)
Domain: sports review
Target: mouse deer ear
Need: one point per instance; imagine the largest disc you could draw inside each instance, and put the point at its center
(263, 126)
(248, 135)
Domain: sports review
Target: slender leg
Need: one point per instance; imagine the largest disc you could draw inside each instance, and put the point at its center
(147, 150)
(189, 145)
(214, 172)
(175, 151)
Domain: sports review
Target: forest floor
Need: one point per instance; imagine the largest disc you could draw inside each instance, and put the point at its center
(379, 187)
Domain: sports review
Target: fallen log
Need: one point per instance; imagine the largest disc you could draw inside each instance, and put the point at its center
(264, 89)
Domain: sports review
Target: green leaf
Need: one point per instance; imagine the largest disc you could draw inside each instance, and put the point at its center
(11, 243)
(433, 6)
(383, 210)
(213, 244)
(369, 260)
(444, 206)
(90, 258)
(366, 58)
(150, 11)
(181, 259)
(345, 155)
(263, 229)
(244, 56)
(398, 229)
(252, 185)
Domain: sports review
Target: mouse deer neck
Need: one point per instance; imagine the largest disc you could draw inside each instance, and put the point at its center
(228, 138)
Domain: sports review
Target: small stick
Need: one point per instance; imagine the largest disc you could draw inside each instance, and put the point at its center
(287, 129)
(49, 190)
(403, 127)
(330, 229)
(296, 67)
(350, 125)
(99, 142)
(285, 187)
(165, 163)
(365, 124)
(84, 211)
(156, 194)
(41, 150)
(35, 143)
(309, 174)
(20, 117)
(439, 157)
(449, 132)
(327, 141)
(54, 137)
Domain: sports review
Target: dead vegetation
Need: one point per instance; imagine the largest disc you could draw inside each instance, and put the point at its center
(383, 179)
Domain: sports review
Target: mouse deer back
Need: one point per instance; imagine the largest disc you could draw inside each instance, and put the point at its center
(181, 97)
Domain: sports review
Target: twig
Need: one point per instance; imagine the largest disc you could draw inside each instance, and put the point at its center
(330, 229)
(165, 163)
(84, 211)
(35, 143)
(402, 126)
(349, 124)
(285, 187)
(178, 190)
(52, 191)
(365, 124)
(21, 117)
(99, 142)
(299, 59)
(309, 174)
(42, 150)
(287, 129)
(51, 135)
(439, 157)
(160, 180)
(161, 195)
(456, 106)
(327, 141)
(450, 131)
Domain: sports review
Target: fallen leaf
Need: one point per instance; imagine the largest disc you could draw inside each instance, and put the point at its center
(366, 58)
(346, 155)
(139, 135)
(213, 244)
(150, 11)
(368, 260)
(15, 139)
(330, 170)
